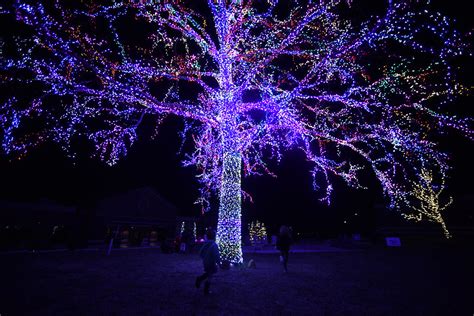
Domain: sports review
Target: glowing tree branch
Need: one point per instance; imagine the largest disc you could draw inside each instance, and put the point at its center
(250, 79)
(427, 205)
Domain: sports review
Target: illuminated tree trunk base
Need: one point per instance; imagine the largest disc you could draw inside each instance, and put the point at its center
(229, 222)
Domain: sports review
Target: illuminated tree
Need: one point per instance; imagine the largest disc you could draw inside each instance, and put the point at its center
(182, 228)
(250, 79)
(426, 195)
(257, 232)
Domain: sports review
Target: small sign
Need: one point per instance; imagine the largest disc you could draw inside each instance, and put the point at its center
(393, 241)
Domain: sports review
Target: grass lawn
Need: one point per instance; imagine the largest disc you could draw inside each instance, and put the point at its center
(413, 281)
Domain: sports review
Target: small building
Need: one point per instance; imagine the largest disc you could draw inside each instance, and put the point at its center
(34, 225)
(137, 217)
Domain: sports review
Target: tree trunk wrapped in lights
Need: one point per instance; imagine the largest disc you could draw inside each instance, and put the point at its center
(250, 79)
(229, 223)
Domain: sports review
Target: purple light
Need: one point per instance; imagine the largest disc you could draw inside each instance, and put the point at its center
(317, 81)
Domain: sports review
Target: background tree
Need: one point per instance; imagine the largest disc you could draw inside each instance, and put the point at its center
(427, 200)
(257, 233)
(250, 79)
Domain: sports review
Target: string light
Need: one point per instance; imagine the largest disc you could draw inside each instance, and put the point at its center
(257, 232)
(229, 222)
(181, 231)
(351, 96)
(426, 200)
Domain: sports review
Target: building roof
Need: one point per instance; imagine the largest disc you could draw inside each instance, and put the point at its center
(142, 204)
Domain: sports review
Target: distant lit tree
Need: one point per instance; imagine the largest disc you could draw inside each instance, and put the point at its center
(250, 79)
(194, 232)
(257, 232)
(428, 200)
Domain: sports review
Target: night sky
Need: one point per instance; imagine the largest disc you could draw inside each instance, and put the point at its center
(47, 173)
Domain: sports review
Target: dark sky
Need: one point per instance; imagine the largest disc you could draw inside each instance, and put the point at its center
(46, 173)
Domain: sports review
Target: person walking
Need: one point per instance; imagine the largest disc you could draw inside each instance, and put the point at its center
(210, 256)
(283, 244)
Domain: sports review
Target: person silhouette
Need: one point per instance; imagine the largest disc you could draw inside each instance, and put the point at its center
(210, 256)
(283, 244)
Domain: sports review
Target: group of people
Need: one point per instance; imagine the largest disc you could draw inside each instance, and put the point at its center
(210, 255)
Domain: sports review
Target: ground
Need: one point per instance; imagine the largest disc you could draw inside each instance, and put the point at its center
(374, 281)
